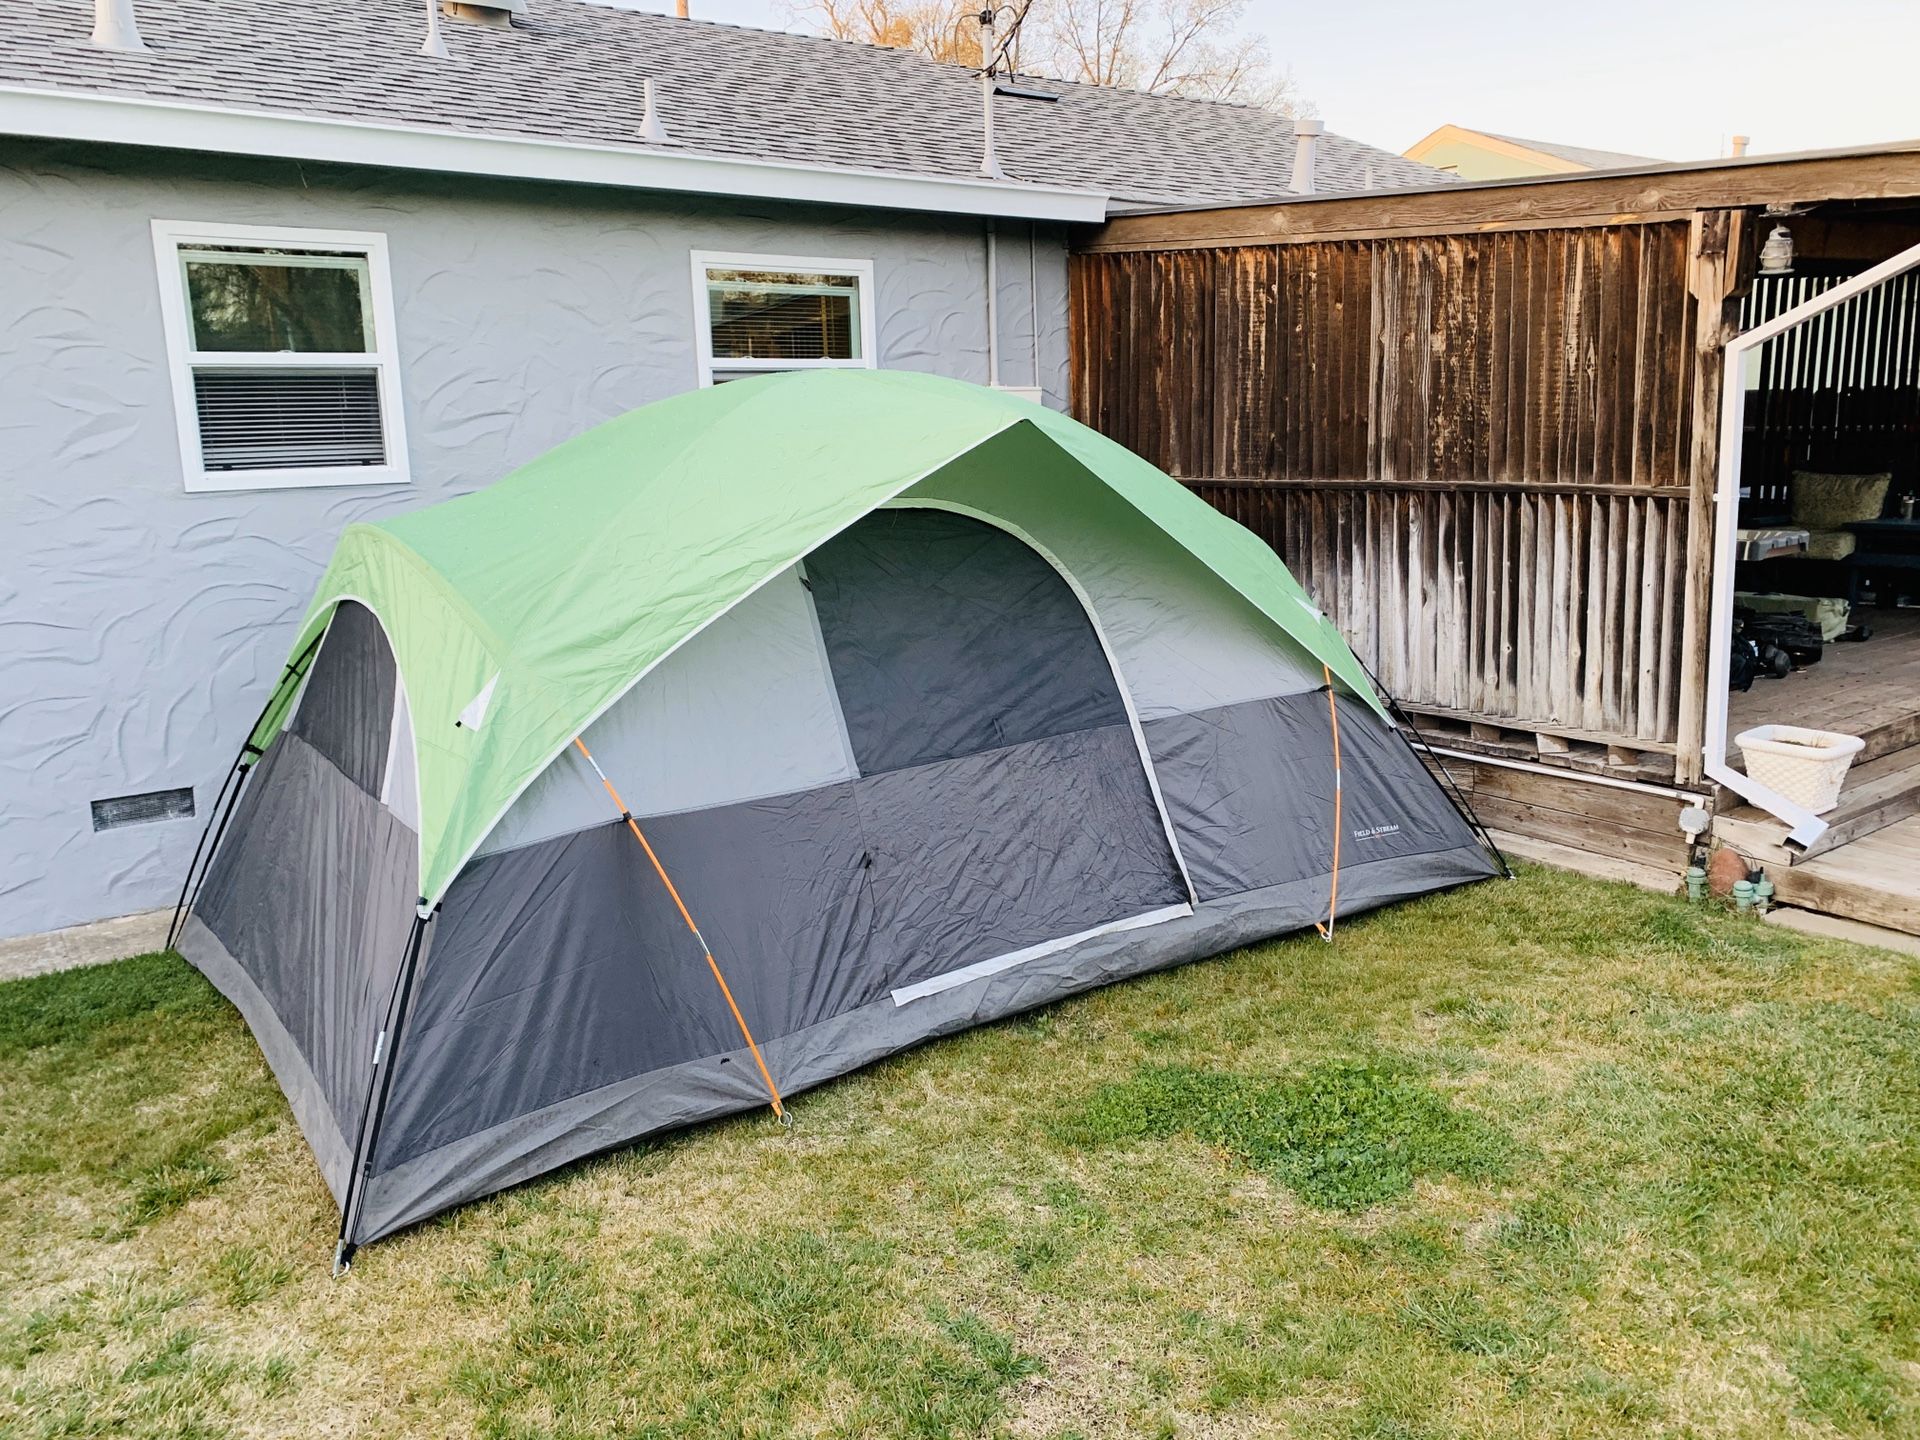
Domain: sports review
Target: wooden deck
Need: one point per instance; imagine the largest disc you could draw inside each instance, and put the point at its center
(1875, 879)
(1876, 795)
(1870, 689)
(1866, 866)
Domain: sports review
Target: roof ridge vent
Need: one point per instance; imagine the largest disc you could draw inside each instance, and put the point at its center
(115, 28)
(651, 130)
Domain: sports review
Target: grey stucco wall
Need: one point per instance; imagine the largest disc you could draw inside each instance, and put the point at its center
(140, 625)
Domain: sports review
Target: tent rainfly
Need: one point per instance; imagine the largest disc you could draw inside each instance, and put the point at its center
(925, 705)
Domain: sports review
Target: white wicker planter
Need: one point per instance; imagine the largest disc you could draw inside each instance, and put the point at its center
(1806, 766)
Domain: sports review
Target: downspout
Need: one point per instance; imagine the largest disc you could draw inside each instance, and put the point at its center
(1806, 826)
(993, 309)
(1033, 299)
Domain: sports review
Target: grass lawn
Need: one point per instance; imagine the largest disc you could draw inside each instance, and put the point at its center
(1548, 1157)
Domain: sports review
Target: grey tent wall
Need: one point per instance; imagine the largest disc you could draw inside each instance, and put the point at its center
(710, 1086)
(1251, 790)
(345, 709)
(1182, 639)
(310, 895)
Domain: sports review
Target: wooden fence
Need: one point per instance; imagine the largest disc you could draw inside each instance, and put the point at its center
(1477, 451)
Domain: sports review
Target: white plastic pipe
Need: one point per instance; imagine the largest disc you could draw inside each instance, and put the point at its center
(114, 26)
(1306, 155)
(651, 130)
(435, 45)
(989, 157)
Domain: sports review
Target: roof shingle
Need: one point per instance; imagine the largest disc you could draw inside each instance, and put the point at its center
(572, 71)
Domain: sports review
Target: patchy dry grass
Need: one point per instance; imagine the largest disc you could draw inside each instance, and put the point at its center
(1542, 1158)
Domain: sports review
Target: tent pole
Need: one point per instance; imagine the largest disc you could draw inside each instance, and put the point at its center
(242, 764)
(626, 817)
(1333, 720)
(238, 777)
(379, 1087)
(193, 865)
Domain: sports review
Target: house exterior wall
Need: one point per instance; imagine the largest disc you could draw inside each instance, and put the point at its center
(140, 625)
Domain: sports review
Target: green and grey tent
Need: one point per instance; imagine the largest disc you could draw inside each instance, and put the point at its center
(928, 706)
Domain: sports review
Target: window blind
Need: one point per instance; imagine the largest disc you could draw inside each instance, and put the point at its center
(280, 419)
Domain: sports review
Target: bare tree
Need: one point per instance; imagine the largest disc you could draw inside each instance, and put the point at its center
(942, 29)
(1165, 47)
(1170, 47)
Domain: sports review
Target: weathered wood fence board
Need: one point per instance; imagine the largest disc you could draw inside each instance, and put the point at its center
(1474, 450)
(1508, 605)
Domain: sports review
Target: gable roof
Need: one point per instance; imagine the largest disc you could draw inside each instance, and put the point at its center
(571, 72)
(1547, 154)
(1579, 154)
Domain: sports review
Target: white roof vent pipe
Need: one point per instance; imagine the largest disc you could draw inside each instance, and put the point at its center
(435, 45)
(1306, 155)
(1737, 146)
(114, 27)
(651, 130)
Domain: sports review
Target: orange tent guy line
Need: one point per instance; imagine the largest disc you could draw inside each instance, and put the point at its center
(679, 904)
(1333, 900)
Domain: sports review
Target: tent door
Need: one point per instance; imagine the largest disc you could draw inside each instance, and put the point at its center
(1004, 804)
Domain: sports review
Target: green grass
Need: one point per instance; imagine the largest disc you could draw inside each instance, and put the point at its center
(1545, 1158)
(1345, 1134)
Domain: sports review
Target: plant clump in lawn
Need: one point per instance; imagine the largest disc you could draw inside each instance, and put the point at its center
(1343, 1135)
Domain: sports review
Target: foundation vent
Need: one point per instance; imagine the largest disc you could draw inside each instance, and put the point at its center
(143, 809)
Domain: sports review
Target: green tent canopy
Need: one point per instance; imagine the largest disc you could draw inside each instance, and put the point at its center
(925, 705)
(563, 584)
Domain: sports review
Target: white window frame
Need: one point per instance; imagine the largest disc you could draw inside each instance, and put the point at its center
(170, 238)
(706, 260)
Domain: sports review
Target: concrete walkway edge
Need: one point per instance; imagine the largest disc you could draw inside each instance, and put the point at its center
(96, 943)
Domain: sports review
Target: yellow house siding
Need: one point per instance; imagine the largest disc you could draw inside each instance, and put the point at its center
(1476, 162)
(1475, 156)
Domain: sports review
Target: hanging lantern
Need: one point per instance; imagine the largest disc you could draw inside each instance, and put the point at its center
(1776, 256)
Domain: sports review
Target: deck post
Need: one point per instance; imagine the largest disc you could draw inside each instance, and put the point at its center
(1715, 241)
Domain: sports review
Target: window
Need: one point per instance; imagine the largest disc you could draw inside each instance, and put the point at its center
(282, 349)
(755, 313)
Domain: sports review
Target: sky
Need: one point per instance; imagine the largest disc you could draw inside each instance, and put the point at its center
(1670, 79)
